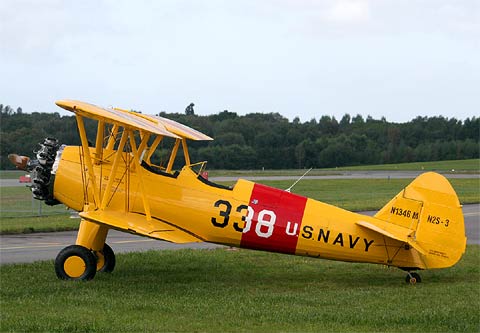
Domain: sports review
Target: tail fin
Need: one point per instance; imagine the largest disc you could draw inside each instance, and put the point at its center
(430, 209)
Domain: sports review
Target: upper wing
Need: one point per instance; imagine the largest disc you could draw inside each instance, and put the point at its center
(172, 126)
(127, 119)
(182, 130)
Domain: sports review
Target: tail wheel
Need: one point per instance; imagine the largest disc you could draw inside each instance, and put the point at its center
(105, 259)
(75, 262)
(413, 278)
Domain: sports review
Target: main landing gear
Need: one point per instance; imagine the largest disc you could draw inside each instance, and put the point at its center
(76, 262)
(88, 256)
(413, 278)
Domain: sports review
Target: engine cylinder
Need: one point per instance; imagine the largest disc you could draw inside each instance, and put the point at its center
(41, 171)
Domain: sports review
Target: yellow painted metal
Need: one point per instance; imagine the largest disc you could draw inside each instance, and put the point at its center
(185, 152)
(99, 142)
(100, 260)
(137, 222)
(143, 194)
(182, 209)
(173, 155)
(422, 227)
(112, 137)
(152, 148)
(189, 206)
(74, 266)
(88, 160)
(91, 235)
(143, 145)
(441, 228)
(111, 177)
(68, 185)
(122, 118)
(171, 125)
(408, 207)
(400, 237)
(182, 130)
(393, 231)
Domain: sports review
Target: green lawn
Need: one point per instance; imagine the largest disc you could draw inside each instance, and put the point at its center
(241, 291)
(459, 166)
(11, 174)
(20, 213)
(455, 166)
(25, 225)
(18, 201)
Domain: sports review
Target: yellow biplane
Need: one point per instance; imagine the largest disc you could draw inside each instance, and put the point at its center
(114, 184)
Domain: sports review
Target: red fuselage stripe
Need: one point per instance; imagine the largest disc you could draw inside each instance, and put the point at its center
(277, 220)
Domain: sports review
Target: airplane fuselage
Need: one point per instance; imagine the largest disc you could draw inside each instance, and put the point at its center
(248, 215)
(116, 185)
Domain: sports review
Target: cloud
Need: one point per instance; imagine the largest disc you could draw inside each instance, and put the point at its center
(241, 55)
(348, 11)
(39, 32)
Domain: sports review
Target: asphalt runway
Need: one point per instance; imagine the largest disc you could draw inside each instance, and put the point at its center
(27, 248)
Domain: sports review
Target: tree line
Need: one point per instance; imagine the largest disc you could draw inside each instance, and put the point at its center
(271, 141)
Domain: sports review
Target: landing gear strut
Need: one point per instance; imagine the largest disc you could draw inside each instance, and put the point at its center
(88, 256)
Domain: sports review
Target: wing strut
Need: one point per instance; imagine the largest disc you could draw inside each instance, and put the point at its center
(152, 148)
(173, 155)
(185, 151)
(111, 177)
(143, 145)
(139, 169)
(86, 154)
(112, 138)
(99, 142)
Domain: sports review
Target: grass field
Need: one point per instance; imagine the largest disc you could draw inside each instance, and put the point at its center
(23, 225)
(20, 213)
(351, 194)
(11, 174)
(459, 166)
(18, 201)
(241, 291)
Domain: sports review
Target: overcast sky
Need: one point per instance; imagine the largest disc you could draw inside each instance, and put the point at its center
(306, 58)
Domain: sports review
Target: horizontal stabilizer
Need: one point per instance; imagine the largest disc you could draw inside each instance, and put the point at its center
(393, 231)
(138, 224)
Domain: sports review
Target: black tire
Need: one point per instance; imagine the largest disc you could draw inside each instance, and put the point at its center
(75, 262)
(413, 278)
(109, 259)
